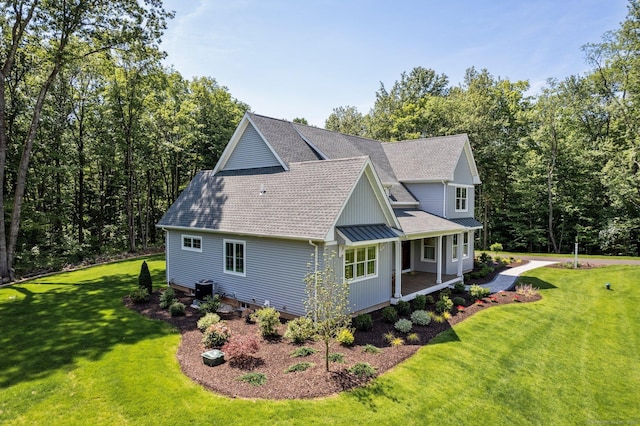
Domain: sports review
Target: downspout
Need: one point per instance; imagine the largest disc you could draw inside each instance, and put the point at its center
(315, 284)
(444, 199)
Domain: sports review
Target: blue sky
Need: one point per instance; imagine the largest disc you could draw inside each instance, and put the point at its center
(290, 59)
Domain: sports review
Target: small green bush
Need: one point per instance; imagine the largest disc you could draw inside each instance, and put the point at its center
(403, 308)
(371, 349)
(299, 330)
(210, 304)
(301, 366)
(485, 258)
(139, 295)
(303, 351)
(144, 279)
(444, 304)
(420, 317)
(458, 300)
(459, 287)
(445, 292)
(390, 315)
(216, 335)
(207, 321)
(403, 325)
(429, 299)
(167, 298)
(413, 338)
(268, 320)
(419, 302)
(177, 309)
(254, 379)
(477, 292)
(336, 357)
(345, 337)
(362, 369)
(495, 247)
(363, 322)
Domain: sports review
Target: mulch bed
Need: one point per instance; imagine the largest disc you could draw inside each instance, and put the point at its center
(274, 356)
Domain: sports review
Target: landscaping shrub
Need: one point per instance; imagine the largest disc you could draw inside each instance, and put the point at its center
(345, 337)
(139, 295)
(177, 309)
(167, 298)
(477, 292)
(299, 330)
(255, 379)
(444, 304)
(207, 321)
(216, 335)
(336, 357)
(458, 300)
(210, 304)
(389, 314)
(371, 349)
(303, 351)
(268, 320)
(459, 287)
(362, 369)
(526, 290)
(413, 338)
(240, 349)
(403, 308)
(445, 292)
(301, 366)
(396, 342)
(403, 325)
(429, 299)
(419, 302)
(485, 258)
(420, 317)
(363, 322)
(144, 279)
(495, 247)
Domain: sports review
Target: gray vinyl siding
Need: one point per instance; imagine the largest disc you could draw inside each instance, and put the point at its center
(251, 152)
(429, 195)
(462, 176)
(362, 207)
(275, 269)
(373, 291)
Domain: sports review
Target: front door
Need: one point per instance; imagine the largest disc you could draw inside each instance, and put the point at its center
(406, 256)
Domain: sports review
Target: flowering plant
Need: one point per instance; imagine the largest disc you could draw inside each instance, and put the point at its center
(460, 308)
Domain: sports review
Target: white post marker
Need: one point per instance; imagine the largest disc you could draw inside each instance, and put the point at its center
(575, 260)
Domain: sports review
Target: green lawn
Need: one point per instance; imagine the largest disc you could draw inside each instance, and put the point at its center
(72, 354)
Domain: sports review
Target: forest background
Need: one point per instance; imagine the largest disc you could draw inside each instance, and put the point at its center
(98, 137)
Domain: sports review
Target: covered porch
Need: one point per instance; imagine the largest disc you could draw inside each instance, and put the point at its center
(415, 283)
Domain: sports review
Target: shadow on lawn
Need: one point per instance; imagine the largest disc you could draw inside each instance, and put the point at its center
(48, 330)
(535, 282)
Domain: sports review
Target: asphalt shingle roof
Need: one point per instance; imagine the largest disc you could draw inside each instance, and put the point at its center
(416, 221)
(303, 202)
(425, 159)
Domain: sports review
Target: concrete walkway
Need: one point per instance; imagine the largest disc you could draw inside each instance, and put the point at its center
(504, 280)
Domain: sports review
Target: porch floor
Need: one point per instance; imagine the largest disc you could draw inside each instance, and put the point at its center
(415, 283)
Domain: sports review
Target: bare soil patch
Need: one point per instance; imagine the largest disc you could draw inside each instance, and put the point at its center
(274, 356)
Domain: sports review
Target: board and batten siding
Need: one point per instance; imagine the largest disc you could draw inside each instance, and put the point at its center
(429, 195)
(251, 152)
(275, 269)
(362, 207)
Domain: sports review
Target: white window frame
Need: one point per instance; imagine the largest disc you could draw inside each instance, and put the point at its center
(366, 275)
(460, 199)
(244, 257)
(435, 249)
(465, 245)
(191, 246)
(454, 248)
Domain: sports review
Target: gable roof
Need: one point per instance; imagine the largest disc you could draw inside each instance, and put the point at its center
(302, 203)
(431, 159)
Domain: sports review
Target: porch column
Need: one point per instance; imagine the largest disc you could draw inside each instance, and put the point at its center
(439, 261)
(460, 243)
(398, 261)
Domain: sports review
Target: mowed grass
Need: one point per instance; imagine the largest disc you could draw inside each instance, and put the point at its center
(73, 354)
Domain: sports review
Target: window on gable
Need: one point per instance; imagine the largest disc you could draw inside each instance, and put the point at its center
(360, 263)
(429, 249)
(461, 199)
(191, 243)
(234, 257)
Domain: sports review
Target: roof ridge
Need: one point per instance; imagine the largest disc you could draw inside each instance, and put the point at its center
(335, 160)
(426, 139)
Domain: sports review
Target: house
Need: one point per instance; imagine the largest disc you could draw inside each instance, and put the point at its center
(398, 217)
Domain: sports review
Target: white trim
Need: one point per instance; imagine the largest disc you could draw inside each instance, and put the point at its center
(193, 238)
(355, 263)
(435, 251)
(226, 241)
(460, 184)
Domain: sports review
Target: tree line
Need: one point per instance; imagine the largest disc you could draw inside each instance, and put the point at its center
(558, 168)
(98, 138)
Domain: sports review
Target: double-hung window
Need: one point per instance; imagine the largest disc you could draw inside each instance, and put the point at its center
(461, 199)
(361, 263)
(454, 247)
(465, 245)
(191, 243)
(429, 249)
(234, 257)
